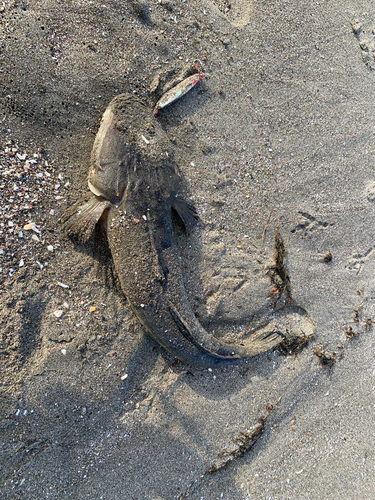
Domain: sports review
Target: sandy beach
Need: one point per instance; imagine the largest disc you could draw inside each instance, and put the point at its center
(277, 138)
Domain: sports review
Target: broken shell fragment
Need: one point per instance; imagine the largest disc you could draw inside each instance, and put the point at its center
(62, 285)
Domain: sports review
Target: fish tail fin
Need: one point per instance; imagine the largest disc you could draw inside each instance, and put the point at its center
(79, 221)
(263, 340)
(258, 343)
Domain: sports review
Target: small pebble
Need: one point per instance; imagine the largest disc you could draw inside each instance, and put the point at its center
(52, 212)
(63, 351)
(124, 376)
(22, 263)
(50, 248)
(35, 238)
(58, 313)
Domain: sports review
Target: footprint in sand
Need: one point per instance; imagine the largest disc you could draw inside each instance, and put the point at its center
(358, 260)
(310, 225)
(238, 12)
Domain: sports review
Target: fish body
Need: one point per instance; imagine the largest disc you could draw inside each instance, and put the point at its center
(135, 184)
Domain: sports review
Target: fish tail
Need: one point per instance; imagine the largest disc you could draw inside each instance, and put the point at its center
(225, 353)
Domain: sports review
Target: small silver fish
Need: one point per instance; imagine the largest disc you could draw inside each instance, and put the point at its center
(179, 90)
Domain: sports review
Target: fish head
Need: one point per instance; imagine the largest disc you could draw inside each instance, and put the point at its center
(110, 157)
(131, 153)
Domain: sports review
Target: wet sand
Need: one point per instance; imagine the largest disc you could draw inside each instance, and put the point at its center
(281, 124)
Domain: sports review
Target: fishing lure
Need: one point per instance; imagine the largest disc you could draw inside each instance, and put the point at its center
(178, 91)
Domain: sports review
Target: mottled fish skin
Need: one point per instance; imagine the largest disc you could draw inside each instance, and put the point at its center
(135, 183)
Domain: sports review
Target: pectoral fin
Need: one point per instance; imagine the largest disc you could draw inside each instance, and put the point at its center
(80, 220)
(186, 212)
